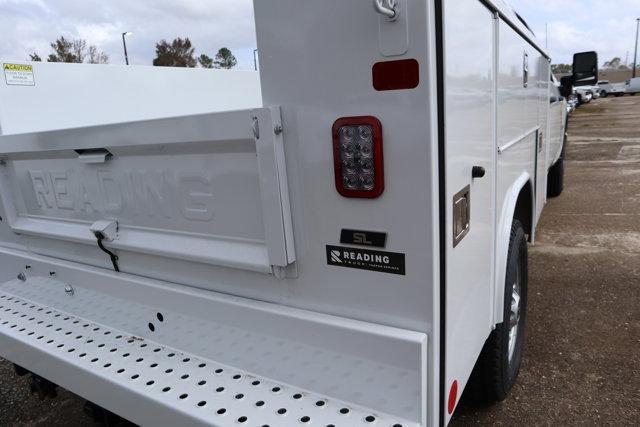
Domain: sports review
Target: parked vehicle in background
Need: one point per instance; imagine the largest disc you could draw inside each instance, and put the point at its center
(618, 89)
(584, 94)
(632, 86)
(607, 88)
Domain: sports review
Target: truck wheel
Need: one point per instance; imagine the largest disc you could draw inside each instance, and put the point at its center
(604, 94)
(555, 180)
(498, 366)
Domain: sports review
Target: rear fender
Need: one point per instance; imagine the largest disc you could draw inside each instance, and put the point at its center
(503, 231)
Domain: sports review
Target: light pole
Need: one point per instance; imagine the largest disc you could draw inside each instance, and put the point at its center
(124, 43)
(635, 55)
(255, 59)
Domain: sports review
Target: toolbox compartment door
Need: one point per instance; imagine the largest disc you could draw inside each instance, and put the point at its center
(208, 188)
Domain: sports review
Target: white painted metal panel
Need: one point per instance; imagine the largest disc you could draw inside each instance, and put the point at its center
(517, 141)
(199, 188)
(394, 34)
(542, 76)
(470, 141)
(557, 115)
(311, 100)
(79, 95)
(347, 363)
(336, 81)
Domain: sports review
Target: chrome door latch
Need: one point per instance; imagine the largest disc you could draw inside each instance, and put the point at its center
(461, 215)
(540, 142)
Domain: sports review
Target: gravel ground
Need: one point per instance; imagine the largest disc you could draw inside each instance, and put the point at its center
(19, 408)
(582, 351)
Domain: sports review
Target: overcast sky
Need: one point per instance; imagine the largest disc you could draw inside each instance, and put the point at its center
(608, 27)
(30, 25)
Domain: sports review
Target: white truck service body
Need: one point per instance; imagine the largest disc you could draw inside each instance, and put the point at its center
(201, 247)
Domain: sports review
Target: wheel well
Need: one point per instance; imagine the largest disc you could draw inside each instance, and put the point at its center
(524, 209)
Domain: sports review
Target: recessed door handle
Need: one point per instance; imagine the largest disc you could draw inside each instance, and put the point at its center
(97, 155)
(478, 172)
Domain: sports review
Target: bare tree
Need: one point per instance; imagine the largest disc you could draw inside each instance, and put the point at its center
(97, 57)
(79, 49)
(73, 51)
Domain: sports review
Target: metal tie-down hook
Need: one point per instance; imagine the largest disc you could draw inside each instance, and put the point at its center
(386, 8)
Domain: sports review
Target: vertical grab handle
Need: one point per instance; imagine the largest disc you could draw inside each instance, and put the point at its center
(525, 70)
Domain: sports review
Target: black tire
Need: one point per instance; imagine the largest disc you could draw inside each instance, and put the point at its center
(497, 368)
(604, 94)
(555, 178)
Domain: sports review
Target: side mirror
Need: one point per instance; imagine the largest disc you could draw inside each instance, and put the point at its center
(566, 86)
(585, 68)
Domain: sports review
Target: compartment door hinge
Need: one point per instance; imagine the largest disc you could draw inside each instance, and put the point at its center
(274, 189)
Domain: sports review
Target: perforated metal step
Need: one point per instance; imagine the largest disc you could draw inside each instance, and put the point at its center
(201, 391)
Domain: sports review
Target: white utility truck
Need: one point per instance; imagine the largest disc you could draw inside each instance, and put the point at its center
(338, 240)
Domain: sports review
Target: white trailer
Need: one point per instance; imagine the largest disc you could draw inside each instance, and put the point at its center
(339, 240)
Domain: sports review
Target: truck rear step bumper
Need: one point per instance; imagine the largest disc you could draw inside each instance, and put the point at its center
(64, 337)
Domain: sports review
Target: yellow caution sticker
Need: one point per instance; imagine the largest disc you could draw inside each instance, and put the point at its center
(19, 74)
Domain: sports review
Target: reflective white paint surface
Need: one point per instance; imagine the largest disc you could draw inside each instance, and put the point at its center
(470, 106)
(77, 95)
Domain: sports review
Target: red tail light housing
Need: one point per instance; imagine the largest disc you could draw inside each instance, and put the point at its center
(357, 156)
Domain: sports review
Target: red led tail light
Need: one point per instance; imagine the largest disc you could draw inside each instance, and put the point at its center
(357, 155)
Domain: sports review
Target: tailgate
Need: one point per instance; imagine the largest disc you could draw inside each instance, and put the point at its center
(207, 188)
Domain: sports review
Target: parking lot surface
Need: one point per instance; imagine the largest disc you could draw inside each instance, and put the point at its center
(582, 349)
